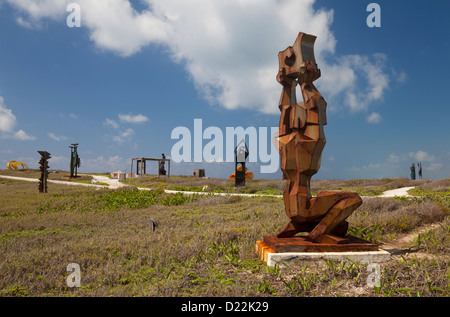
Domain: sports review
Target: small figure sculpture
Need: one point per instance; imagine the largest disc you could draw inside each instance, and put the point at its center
(301, 141)
(162, 170)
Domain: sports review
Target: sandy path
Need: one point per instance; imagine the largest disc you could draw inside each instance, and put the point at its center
(397, 192)
(114, 184)
(51, 181)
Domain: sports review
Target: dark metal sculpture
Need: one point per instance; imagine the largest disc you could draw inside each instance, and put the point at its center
(162, 170)
(75, 160)
(413, 171)
(240, 156)
(43, 162)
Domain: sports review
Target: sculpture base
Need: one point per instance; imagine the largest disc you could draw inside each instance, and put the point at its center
(330, 244)
(286, 251)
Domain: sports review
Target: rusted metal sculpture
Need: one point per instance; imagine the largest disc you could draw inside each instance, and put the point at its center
(301, 142)
(43, 162)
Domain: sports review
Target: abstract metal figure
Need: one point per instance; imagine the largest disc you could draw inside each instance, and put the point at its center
(75, 161)
(240, 156)
(43, 162)
(162, 169)
(301, 142)
(413, 171)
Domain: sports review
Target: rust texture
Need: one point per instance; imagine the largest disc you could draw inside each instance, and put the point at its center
(303, 244)
(301, 140)
(43, 162)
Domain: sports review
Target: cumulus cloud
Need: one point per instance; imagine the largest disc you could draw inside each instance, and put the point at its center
(7, 118)
(229, 48)
(422, 156)
(112, 123)
(374, 117)
(56, 137)
(133, 119)
(23, 136)
(104, 164)
(124, 136)
(8, 123)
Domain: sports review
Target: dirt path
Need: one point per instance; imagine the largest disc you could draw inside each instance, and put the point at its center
(114, 184)
(402, 243)
(51, 181)
(397, 192)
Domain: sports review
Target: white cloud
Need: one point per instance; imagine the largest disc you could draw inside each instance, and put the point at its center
(8, 123)
(112, 123)
(374, 117)
(21, 135)
(7, 118)
(394, 158)
(401, 77)
(102, 164)
(124, 136)
(229, 48)
(57, 138)
(133, 119)
(434, 166)
(422, 156)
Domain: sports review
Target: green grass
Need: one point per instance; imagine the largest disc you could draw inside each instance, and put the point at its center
(202, 246)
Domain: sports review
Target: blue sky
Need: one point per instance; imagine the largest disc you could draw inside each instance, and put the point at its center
(136, 70)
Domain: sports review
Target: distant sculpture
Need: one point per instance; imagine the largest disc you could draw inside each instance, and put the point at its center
(43, 162)
(75, 161)
(413, 171)
(162, 169)
(419, 165)
(301, 142)
(240, 156)
(14, 165)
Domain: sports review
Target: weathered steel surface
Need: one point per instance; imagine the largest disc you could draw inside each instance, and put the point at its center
(301, 140)
(43, 167)
(304, 244)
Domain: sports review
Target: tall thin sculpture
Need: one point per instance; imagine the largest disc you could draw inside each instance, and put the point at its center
(301, 140)
(75, 161)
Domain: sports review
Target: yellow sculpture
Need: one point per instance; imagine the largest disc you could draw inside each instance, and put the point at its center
(14, 165)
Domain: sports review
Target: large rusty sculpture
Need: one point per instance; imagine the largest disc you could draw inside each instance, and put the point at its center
(301, 142)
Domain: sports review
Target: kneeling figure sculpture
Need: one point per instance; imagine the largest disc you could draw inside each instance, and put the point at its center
(301, 142)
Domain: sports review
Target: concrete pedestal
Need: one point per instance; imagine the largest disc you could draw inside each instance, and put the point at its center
(272, 258)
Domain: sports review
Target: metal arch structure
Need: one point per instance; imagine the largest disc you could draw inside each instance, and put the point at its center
(141, 165)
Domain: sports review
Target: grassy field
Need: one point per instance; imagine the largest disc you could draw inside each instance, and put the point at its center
(365, 187)
(205, 245)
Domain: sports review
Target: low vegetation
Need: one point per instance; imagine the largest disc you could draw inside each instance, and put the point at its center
(205, 245)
